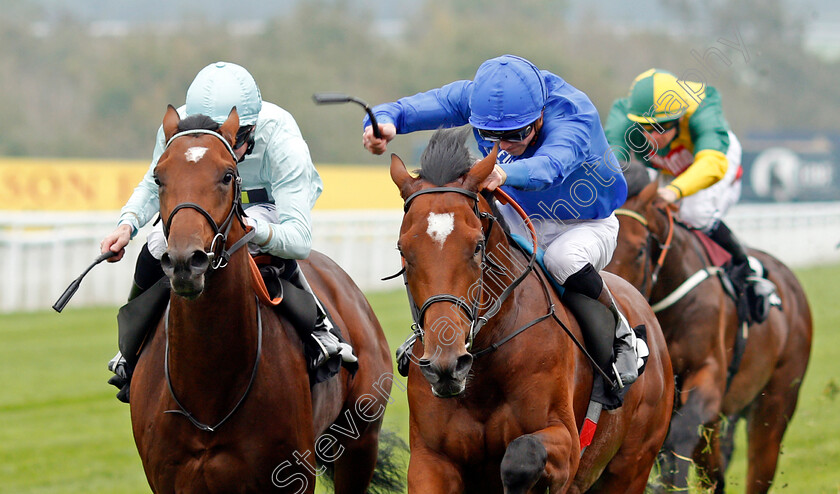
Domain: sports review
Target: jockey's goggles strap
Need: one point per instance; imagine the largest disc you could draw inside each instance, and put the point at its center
(203, 131)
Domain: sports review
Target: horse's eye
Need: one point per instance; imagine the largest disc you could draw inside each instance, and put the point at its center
(479, 247)
(157, 181)
(228, 178)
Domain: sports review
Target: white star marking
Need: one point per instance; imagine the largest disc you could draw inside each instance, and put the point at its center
(440, 226)
(195, 153)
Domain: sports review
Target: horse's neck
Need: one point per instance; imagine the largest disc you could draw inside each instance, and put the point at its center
(213, 339)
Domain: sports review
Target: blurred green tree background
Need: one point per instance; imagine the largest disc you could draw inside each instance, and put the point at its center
(74, 87)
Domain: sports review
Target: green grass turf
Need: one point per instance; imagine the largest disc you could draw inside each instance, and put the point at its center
(62, 431)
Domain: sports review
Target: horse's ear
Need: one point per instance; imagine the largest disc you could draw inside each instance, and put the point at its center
(481, 170)
(170, 122)
(229, 129)
(404, 181)
(648, 193)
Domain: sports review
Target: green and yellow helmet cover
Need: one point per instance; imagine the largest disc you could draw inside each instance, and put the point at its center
(658, 96)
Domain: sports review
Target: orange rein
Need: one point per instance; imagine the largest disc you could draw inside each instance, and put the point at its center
(667, 245)
(504, 198)
(664, 246)
(259, 285)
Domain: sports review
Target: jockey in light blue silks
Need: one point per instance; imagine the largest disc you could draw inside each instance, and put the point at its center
(279, 182)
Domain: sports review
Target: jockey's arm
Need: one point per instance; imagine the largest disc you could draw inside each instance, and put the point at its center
(295, 185)
(709, 133)
(708, 168)
(143, 204)
(447, 106)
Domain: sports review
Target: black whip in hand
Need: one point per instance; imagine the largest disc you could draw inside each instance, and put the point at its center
(71, 290)
(333, 98)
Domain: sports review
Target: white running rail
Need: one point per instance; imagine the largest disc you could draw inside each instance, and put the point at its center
(41, 253)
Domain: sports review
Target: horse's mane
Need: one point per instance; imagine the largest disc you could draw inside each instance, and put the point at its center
(194, 122)
(637, 177)
(446, 157)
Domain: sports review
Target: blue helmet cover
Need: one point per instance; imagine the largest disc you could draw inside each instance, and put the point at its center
(221, 86)
(508, 93)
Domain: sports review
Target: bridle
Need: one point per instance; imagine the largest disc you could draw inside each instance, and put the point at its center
(219, 258)
(664, 247)
(477, 321)
(217, 254)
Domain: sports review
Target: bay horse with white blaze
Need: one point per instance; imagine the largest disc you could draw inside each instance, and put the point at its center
(508, 419)
(700, 327)
(221, 400)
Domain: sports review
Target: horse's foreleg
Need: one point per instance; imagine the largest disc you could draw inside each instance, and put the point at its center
(700, 408)
(767, 420)
(710, 465)
(432, 473)
(545, 454)
(354, 468)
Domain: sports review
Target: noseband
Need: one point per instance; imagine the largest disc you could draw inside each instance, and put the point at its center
(219, 257)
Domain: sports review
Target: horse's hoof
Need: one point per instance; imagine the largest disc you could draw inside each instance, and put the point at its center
(523, 464)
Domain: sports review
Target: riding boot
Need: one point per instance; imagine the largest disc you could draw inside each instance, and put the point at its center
(322, 338)
(626, 347)
(147, 272)
(608, 336)
(758, 290)
(118, 365)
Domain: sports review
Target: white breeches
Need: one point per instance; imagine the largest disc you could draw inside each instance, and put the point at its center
(569, 245)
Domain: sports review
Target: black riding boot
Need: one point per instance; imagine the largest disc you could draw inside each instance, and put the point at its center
(607, 335)
(327, 344)
(758, 290)
(147, 272)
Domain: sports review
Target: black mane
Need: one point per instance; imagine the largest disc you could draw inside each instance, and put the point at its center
(194, 122)
(637, 177)
(446, 158)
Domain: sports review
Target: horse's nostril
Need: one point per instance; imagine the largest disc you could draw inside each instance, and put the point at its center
(462, 365)
(166, 261)
(199, 261)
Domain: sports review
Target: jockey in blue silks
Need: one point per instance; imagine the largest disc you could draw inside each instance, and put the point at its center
(554, 160)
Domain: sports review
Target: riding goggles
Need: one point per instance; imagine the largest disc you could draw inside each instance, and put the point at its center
(660, 127)
(243, 135)
(515, 135)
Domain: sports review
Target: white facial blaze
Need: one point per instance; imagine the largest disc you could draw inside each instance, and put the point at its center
(195, 153)
(440, 226)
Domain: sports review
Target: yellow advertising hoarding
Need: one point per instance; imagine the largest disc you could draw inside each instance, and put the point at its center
(95, 185)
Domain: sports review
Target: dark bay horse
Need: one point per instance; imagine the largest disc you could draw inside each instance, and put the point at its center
(701, 330)
(220, 399)
(508, 420)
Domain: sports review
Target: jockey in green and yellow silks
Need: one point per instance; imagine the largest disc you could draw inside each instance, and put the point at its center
(678, 128)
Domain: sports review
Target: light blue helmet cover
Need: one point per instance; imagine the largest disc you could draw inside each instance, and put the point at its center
(219, 87)
(508, 93)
